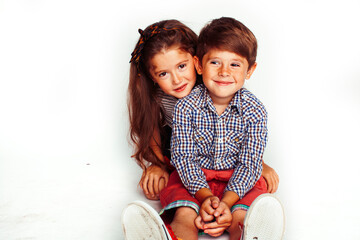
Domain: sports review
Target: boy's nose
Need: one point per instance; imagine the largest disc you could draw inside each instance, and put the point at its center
(224, 71)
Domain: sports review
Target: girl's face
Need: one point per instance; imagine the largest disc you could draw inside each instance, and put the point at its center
(173, 69)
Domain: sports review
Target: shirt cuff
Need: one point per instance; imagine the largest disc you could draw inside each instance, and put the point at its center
(195, 186)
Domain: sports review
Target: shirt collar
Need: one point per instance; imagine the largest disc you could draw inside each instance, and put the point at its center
(205, 98)
(236, 100)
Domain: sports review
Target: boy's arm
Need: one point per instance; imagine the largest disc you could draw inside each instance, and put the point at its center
(230, 198)
(249, 167)
(184, 150)
(203, 194)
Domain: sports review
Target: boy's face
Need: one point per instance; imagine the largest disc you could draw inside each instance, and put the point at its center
(223, 74)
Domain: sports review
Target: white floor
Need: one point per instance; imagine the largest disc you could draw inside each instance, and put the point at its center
(83, 199)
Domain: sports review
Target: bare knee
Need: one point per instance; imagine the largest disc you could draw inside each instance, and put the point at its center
(183, 223)
(185, 214)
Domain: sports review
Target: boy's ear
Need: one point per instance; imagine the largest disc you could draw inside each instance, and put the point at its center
(197, 65)
(251, 71)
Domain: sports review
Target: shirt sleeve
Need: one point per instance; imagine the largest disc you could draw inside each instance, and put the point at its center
(249, 168)
(184, 151)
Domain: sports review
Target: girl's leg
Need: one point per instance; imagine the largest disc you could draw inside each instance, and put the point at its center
(183, 223)
(235, 229)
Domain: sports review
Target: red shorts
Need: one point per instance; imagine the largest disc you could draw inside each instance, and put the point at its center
(176, 195)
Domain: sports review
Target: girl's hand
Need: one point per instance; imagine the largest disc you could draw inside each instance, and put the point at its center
(154, 181)
(271, 178)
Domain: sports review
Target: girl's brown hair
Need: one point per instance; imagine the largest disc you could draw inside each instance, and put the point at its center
(230, 35)
(144, 111)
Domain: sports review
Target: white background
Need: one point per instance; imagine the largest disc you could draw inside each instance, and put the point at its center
(65, 166)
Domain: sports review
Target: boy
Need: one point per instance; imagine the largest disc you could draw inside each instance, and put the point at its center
(219, 135)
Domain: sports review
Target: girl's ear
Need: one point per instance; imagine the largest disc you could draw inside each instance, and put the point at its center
(251, 71)
(197, 65)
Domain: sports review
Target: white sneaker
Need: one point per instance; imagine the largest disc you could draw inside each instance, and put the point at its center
(265, 219)
(140, 221)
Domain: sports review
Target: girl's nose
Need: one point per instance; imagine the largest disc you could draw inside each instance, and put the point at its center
(177, 79)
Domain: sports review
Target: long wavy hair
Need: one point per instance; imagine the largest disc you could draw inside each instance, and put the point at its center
(144, 110)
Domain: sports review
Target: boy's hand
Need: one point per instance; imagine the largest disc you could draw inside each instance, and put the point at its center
(271, 178)
(208, 207)
(223, 219)
(154, 181)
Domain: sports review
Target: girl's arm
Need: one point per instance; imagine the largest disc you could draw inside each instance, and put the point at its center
(154, 181)
(271, 178)
(155, 144)
(155, 178)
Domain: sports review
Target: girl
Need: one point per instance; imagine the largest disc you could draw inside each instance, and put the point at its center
(162, 71)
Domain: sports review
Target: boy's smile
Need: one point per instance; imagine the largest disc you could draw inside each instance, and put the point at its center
(223, 73)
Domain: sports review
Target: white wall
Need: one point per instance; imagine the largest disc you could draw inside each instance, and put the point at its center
(65, 167)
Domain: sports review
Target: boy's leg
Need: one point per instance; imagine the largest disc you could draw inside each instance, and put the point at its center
(183, 223)
(235, 230)
(179, 208)
(263, 220)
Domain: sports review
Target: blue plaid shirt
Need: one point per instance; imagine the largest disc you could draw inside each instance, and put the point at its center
(203, 139)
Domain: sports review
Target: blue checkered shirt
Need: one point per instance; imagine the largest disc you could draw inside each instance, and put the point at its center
(203, 139)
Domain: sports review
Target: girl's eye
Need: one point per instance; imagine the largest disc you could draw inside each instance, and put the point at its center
(163, 74)
(182, 66)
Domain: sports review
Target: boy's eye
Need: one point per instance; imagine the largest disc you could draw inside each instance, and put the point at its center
(214, 62)
(235, 65)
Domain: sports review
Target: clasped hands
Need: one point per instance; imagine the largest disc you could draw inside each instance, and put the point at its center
(214, 216)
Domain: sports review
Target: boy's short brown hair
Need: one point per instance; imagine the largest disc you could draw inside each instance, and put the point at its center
(230, 35)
